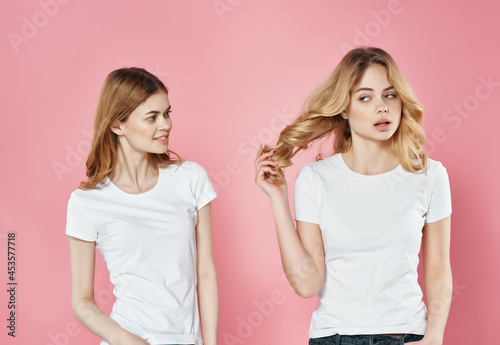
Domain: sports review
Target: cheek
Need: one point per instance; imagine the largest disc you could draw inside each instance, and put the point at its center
(142, 131)
(397, 109)
(356, 113)
(399, 118)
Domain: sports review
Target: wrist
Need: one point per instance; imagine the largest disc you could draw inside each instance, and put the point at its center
(279, 198)
(212, 341)
(114, 338)
(117, 337)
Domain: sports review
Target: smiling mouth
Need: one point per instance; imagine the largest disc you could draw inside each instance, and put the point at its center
(161, 138)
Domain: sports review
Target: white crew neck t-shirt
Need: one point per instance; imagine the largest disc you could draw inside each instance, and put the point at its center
(148, 242)
(371, 227)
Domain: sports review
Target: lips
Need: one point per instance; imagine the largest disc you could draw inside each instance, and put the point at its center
(162, 137)
(162, 140)
(382, 122)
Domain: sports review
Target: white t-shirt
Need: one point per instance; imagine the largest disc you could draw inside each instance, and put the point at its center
(371, 227)
(148, 243)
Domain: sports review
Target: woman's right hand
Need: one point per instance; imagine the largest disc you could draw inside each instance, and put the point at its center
(265, 166)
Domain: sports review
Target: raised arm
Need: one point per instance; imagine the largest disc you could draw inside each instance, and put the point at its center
(82, 297)
(207, 279)
(302, 253)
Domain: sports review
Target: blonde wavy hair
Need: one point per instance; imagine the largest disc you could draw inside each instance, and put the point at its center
(123, 91)
(320, 116)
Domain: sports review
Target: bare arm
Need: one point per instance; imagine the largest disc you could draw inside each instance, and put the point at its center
(82, 297)
(207, 279)
(438, 278)
(302, 252)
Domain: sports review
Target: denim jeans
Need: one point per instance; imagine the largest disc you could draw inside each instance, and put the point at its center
(365, 339)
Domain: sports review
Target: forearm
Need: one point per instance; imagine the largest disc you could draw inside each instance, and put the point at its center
(92, 317)
(439, 292)
(208, 304)
(298, 265)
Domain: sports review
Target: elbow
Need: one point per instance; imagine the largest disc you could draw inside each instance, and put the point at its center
(305, 287)
(81, 305)
(306, 291)
(206, 272)
(438, 271)
(76, 305)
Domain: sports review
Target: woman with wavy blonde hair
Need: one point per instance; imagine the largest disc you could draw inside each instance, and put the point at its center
(362, 214)
(149, 216)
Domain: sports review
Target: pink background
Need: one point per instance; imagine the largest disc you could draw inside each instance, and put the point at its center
(236, 75)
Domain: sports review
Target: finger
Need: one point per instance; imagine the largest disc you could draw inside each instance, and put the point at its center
(263, 173)
(265, 178)
(259, 152)
(260, 155)
(270, 164)
(269, 170)
(264, 157)
(268, 155)
(266, 161)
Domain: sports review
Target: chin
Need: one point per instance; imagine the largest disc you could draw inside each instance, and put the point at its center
(159, 152)
(383, 137)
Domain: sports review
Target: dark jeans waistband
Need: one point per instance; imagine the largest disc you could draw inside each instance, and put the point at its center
(365, 339)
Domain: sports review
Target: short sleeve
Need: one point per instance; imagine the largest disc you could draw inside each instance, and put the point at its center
(77, 223)
(204, 191)
(305, 199)
(440, 197)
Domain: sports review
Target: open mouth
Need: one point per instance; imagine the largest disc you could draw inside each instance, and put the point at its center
(161, 138)
(382, 122)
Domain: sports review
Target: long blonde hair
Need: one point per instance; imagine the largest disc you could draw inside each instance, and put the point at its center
(123, 91)
(320, 116)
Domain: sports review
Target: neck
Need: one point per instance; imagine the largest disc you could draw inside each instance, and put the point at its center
(133, 172)
(371, 158)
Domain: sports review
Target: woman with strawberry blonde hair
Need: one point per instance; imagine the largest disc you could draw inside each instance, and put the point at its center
(149, 216)
(362, 214)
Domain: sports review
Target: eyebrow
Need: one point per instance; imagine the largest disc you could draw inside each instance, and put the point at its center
(156, 112)
(370, 89)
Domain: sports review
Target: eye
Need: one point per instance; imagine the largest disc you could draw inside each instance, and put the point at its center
(390, 95)
(167, 114)
(364, 98)
(151, 118)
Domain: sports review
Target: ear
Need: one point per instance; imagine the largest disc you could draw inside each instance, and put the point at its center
(116, 128)
(344, 114)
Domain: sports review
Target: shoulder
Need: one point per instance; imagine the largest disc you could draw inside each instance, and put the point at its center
(187, 169)
(101, 188)
(325, 166)
(79, 199)
(434, 177)
(316, 172)
(104, 190)
(438, 176)
(434, 168)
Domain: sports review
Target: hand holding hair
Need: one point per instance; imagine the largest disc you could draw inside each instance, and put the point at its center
(264, 169)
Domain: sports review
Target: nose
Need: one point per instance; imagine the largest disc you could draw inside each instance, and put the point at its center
(164, 124)
(382, 109)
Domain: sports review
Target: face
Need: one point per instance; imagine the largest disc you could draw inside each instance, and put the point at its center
(374, 111)
(147, 128)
